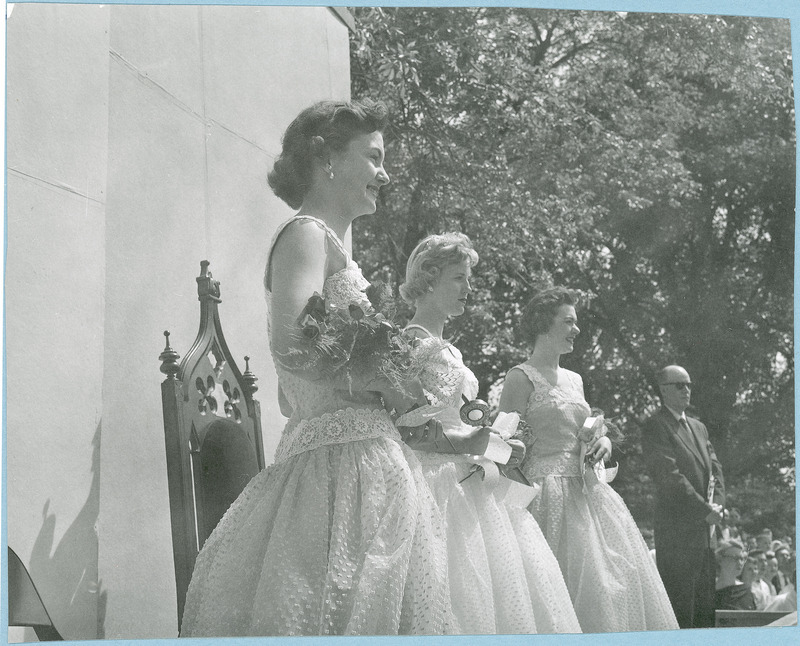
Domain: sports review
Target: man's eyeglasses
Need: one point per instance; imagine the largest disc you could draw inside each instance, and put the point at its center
(680, 385)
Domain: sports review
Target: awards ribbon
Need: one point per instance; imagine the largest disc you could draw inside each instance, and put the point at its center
(513, 491)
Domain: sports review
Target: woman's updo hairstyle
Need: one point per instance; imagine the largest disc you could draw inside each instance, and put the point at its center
(327, 125)
(429, 258)
(540, 312)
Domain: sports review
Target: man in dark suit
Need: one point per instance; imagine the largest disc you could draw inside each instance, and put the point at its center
(690, 495)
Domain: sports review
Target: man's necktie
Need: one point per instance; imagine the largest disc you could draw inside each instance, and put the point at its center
(689, 434)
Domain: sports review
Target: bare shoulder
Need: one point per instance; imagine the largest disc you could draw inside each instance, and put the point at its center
(517, 378)
(299, 253)
(300, 237)
(517, 389)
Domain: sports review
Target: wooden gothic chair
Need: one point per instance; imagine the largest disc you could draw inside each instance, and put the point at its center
(212, 429)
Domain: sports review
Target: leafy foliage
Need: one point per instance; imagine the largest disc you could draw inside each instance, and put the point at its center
(645, 160)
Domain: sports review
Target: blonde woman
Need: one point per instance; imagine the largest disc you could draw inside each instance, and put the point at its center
(503, 576)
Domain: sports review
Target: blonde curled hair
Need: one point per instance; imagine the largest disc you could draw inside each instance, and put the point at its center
(430, 257)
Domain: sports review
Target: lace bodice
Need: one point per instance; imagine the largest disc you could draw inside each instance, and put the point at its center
(555, 414)
(320, 412)
(445, 382)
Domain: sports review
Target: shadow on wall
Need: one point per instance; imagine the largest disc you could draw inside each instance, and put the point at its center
(68, 580)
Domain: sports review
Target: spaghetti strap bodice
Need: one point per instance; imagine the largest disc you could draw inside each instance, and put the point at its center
(555, 414)
(330, 239)
(613, 581)
(321, 414)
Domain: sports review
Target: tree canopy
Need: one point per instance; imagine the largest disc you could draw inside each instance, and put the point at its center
(646, 161)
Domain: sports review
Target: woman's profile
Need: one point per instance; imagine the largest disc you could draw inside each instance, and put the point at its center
(613, 581)
(340, 535)
(503, 576)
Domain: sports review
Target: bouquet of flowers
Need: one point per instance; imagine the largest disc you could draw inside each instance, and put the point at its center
(360, 339)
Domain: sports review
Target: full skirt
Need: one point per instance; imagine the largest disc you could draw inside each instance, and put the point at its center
(613, 581)
(503, 576)
(343, 539)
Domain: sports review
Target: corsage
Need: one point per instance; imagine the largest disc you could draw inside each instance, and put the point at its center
(594, 427)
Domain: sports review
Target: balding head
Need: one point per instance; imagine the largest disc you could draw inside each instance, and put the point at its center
(675, 387)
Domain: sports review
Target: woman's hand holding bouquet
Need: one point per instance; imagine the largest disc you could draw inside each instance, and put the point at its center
(596, 446)
(362, 348)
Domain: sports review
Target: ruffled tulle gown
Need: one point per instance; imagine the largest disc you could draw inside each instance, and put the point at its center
(612, 579)
(503, 576)
(339, 536)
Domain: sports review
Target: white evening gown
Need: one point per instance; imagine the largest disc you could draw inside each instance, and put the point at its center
(611, 576)
(503, 576)
(340, 536)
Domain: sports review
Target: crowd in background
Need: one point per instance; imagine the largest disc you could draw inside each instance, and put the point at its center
(755, 572)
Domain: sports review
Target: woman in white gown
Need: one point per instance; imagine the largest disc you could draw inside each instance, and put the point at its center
(503, 575)
(612, 579)
(341, 534)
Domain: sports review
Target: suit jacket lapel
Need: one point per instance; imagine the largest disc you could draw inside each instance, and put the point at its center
(703, 451)
(680, 432)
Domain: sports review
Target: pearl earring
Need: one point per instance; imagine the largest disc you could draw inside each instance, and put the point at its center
(430, 288)
(329, 168)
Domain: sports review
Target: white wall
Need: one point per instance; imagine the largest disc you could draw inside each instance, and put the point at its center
(139, 140)
(55, 292)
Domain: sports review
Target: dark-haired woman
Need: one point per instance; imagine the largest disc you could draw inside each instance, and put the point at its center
(341, 534)
(613, 581)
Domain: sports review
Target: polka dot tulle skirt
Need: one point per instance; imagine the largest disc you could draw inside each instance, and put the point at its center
(343, 539)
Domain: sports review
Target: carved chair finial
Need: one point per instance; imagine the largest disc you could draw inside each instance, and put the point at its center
(207, 287)
(169, 359)
(249, 378)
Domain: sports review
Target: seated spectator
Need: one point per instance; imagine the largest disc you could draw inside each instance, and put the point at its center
(786, 600)
(732, 593)
(782, 556)
(771, 572)
(730, 525)
(764, 540)
(749, 576)
(761, 590)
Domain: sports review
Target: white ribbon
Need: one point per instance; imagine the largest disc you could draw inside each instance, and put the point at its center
(490, 472)
(506, 490)
(604, 473)
(588, 428)
(497, 450)
(505, 424)
(515, 494)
